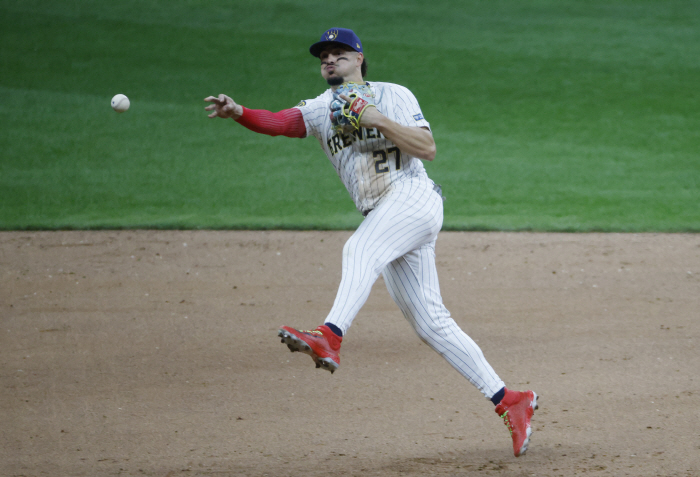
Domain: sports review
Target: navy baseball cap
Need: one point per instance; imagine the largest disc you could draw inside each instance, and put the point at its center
(336, 35)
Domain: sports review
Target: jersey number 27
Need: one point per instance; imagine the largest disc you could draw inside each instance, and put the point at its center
(380, 165)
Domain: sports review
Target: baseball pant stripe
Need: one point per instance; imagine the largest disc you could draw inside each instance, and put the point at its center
(420, 301)
(386, 233)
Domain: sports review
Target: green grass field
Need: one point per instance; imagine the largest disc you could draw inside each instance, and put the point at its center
(548, 115)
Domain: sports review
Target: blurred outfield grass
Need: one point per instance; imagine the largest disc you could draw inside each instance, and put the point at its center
(548, 115)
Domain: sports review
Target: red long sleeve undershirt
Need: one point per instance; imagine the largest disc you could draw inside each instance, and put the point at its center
(288, 122)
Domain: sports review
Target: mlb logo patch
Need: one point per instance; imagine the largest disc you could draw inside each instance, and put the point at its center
(418, 117)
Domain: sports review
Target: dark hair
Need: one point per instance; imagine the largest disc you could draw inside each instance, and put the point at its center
(364, 67)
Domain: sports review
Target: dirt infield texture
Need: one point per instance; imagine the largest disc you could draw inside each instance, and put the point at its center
(155, 353)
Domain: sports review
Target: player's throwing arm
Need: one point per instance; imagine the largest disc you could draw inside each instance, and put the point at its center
(223, 107)
(376, 137)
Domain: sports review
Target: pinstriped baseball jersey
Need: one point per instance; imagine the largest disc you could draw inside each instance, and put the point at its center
(367, 162)
(397, 239)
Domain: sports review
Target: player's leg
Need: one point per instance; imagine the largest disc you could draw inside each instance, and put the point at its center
(412, 282)
(408, 217)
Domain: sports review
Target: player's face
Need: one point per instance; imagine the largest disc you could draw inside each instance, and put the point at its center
(339, 64)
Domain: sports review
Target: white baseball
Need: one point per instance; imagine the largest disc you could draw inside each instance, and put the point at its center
(120, 103)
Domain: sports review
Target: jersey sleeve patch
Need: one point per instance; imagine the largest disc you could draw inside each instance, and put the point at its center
(301, 103)
(418, 116)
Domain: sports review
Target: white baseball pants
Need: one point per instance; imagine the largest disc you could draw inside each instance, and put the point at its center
(397, 239)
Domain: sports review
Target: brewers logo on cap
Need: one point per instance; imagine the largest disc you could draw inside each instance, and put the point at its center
(343, 36)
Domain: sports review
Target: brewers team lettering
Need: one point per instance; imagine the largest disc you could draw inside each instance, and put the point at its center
(397, 238)
(367, 162)
(339, 141)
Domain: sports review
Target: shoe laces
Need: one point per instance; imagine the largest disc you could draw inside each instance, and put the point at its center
(506, 421)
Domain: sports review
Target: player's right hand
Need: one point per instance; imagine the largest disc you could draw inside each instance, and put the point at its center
(223, 107)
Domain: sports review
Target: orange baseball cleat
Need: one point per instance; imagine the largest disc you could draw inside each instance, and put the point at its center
(516, 408)
(321, 344)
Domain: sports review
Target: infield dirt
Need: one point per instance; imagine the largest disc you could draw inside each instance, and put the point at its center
(155, 353)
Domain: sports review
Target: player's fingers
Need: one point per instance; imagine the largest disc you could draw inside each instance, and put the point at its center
(345, 98)
(213, 115)
(210, 107)
(210, 99)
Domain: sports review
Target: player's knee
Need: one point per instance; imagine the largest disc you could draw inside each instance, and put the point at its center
(435, 329)
(351, 247)
(348, 251)
(424, 332)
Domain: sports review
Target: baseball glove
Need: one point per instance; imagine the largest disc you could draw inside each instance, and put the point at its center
(345, 116)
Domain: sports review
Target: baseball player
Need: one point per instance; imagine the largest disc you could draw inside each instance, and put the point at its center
(376, 137)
